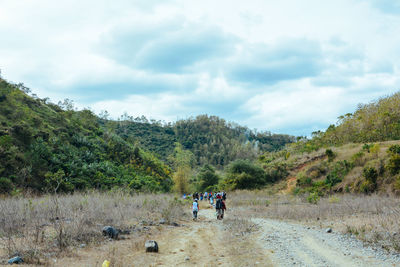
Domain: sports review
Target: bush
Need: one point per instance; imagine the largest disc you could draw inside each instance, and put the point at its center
(375, 149)
(207, 178)
(303, 179)
(313, 198)
(243, 174)
(6, 185)
(339, 171)
(394, 164)
(367, 187)
(394, 149)
(370, 174)
(330, 154)
(367, 147)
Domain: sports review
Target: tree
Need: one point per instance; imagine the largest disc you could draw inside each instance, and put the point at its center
(243, 174)
(207, 178)
(183, 161)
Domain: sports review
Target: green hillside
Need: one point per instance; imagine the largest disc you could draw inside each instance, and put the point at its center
(359, 154)
(46, 147)
(211, 139)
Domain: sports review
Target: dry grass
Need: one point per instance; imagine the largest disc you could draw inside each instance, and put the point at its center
(39, 228)
(371, 218)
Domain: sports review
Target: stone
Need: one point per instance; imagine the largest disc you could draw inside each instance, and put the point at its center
(162, 221)
(328, 230)
(187, 258)
(111, 232)
(82, 245)
(151, 246)
(15, 260)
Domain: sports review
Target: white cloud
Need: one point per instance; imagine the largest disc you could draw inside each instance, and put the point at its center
(66, 48)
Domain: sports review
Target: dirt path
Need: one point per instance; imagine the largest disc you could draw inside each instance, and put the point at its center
(292, 244)
(199, 244)
(207, 242)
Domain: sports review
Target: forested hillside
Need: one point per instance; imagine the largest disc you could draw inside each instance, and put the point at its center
(211, 139)
(44, 147)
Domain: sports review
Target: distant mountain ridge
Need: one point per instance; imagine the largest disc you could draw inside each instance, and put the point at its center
(211, 139)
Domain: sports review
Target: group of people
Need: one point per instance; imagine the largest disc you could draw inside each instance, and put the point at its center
(219, 205)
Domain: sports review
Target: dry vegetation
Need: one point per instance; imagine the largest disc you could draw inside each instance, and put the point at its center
(40, 228)
(370, 218)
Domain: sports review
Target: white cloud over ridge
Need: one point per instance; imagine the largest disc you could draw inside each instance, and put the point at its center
(286, 66)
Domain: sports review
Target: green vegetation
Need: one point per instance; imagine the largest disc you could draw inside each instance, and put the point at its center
(211, 139)
(243, 174)
(56, 148)
(49, 147)
(207, 178)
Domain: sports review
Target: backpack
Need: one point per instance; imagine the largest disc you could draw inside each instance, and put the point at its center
(218, 205)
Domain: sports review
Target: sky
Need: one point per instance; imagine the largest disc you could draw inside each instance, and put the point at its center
(285, 66)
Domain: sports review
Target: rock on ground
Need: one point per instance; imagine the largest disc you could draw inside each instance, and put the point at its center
(151, 246)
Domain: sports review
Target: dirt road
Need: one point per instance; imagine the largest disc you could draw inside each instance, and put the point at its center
(208, 242)
(292, 244)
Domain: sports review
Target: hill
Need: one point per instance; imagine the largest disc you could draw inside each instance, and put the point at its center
(44, 146)
(359, 154)
(211, 139)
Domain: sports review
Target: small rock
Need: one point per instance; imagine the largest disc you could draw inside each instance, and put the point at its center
(328, 230)
(15, 260)
(111, 232)
(82, 245)
(151, 246)
(175, 224)
(187, 258)
(162, 221)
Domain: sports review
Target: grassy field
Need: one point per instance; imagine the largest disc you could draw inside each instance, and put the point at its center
(43, 227)
(371, 218)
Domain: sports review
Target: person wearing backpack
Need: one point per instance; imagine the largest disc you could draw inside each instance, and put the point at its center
(219, 207)
(223, 209)
(195, 208)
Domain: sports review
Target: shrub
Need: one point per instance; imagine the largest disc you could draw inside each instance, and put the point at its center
(339, 171)
(243, 174)
(313, 198)
(303, 179)
(330, 154)
(394, 149)
(394, 164)
(207, 178)
(375, 149)
(358, 159)
(370, 174)
(366, 147)
(6, 185)
(367, 187)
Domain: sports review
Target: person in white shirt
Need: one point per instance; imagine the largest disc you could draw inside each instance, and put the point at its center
(195, 208)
